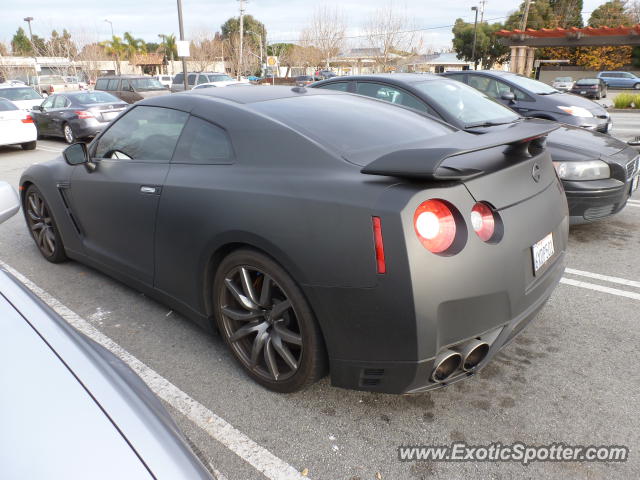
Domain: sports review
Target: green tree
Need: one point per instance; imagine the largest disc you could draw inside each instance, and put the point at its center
(541, 15)
(568, 13)
(20, 44)
(489, 50)
(254, 35)
(611, 14)
(168, 46)
(115, 48)
(133, 45)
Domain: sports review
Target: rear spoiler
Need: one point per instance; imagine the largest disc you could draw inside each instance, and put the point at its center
(426, 163)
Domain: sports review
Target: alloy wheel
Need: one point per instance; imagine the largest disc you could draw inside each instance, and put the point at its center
(260, 323)
(41, 224)
(68, 134)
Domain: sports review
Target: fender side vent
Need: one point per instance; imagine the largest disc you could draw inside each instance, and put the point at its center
(371, 377)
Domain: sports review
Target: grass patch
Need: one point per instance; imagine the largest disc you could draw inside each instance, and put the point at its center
(627, 100)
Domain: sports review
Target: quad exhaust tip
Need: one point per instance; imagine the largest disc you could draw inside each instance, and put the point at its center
(472, 353)
(445, 364)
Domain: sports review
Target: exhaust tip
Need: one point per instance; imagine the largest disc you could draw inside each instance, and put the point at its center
(445, 364)
(474, 354)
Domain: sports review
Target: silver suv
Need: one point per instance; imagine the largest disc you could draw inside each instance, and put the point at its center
(198, 78)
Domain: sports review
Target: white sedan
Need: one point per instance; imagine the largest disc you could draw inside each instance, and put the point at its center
(16, 126)
(23, 96)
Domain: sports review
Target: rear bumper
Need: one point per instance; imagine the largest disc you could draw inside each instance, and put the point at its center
(87, 127)
(23, 133)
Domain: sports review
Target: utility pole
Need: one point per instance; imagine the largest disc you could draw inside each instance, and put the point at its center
(185, 74)
(525, 15)
(475, 37)
(33, 45)
(239, 73)
(482, 4)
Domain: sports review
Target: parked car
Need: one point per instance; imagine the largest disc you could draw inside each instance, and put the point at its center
(76, 115)
(49, 84)
(221, 85)
(131, 88)
(304, 80)
(324, 74)
(198, 78)
(165, 80)
(590, 87)
(407, 217)
(563, 84)
(82, 84)
(532, 98)
(620, 79)
(16, 126)
(93, 416)
(23, 97)
(598, 172)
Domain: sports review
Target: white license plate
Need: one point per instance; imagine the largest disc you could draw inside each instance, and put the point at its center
(582, 92)
(542, 252)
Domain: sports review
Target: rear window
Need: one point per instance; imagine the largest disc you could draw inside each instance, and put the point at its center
(53, 79)
(563, 79)
(219, 78)
(372, 126)
(25, 93)
(588, 81)
(6, 105)
(95, 97)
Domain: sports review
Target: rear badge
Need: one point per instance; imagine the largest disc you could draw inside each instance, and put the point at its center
(535, 172)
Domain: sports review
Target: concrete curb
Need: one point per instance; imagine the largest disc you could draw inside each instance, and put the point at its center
(623, 110)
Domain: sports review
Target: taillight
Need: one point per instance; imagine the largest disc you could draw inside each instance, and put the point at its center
(83, 114)
(483, 221)
(51, 89)
(435, 225)
(27, 119)
(379, 245)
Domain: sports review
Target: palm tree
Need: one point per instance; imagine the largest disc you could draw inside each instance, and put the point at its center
(169, 47)
(133, 45)
(115, 48)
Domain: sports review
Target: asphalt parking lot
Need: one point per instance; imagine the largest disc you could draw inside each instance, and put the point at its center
(570, 378)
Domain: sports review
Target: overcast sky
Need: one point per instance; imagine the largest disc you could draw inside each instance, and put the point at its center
(283, 18)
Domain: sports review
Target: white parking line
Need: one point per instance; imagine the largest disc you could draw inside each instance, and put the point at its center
(606, 278)
(635, 205)
(258, 457)
(600, 288)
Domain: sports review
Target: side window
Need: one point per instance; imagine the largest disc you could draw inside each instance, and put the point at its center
(143, 133)
(126, 86)
(101, 84)
(58, 101)
(48, 103)
(201, 79)
(191, 79)
(340, 86)
(178, 78)
(113, 84)
(628, 75)
(203, 143)
(459, 77)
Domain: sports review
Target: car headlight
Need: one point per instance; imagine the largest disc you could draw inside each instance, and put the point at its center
(590, 170)
(576, 111)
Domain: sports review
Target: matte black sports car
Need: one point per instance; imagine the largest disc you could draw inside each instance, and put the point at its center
(598, 172)
(317, 230)
(76, 115)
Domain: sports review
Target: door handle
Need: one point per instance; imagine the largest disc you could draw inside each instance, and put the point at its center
(149, 189)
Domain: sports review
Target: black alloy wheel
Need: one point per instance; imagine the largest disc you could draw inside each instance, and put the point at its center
(267, 323)
(42, 226)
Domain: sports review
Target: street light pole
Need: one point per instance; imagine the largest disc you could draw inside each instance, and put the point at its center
(239, 73)
(33, 45)
(110, 23)
(475, 37)
(525, 15)
(184, 59)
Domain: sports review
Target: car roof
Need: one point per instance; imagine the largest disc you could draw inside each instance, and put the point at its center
(111, 77)
(389, 77)
(258, 93)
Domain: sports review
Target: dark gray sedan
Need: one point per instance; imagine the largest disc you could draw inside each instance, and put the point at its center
(319, 231)
(598, 171)
(71, 409)
(76, 115)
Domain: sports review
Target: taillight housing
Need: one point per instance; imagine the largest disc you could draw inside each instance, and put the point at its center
(27, 119)
(84, 114)
(434, 222)
(51, 89)
(486, 223)
(381, 265)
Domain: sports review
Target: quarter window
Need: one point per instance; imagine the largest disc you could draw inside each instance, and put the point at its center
(340, 86)
(59, 102)
(144, 133)
(203, 143)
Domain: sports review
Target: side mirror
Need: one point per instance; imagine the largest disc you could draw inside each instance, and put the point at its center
(37, 107)
(9, 201)
(508, 96)
(77, 154)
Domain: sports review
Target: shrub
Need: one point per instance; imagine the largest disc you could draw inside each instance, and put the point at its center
(627, 100)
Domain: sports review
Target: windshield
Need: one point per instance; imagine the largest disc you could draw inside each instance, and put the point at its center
(464, 103)
(219, 78)
(55, 79)
(20, 94)
(96, 97)
(146, 84)
(588, 81)
(534, 86)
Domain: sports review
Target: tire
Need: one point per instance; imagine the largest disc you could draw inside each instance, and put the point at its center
(67, 133)
(636, 86)
(29, 145)
(269, 327)
(42, 226)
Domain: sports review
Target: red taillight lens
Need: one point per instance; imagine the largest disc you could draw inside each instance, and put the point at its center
(483, 221)
(379, 245)
(28, 119)
(435, 225)
(51, 89)
(83, 114)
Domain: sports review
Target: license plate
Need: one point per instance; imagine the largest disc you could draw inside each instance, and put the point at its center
(582, 92)
(109, 115)
(542, 252)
